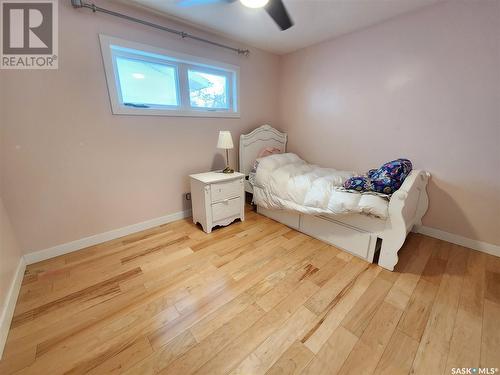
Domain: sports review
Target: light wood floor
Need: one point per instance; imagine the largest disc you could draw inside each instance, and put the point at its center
(253, 298)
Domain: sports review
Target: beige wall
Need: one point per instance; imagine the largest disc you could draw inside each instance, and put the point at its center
(424, 86)
(10, 255)
(71, 169)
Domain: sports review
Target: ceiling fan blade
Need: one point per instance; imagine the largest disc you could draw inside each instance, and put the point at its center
(276, 9)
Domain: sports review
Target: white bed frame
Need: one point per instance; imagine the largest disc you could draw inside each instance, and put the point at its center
(362, 235)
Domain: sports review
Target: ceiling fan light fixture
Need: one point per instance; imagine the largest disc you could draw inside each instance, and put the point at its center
(254, 3)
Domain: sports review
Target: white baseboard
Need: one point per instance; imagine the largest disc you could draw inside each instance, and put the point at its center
(459, 240)
(10, 303)
(69, 247)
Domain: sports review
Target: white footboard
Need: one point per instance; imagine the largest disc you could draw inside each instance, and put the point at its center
(406, 208)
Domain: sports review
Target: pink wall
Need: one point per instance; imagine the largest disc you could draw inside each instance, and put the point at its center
(430, 79)
(71, 169)
(424, 86)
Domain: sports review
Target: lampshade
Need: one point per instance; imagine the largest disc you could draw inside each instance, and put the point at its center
(225, 140)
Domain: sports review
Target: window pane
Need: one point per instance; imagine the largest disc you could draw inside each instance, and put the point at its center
(207, 90)
(147, 83)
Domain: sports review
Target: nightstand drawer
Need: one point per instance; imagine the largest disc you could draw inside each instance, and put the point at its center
(226, 209)
(226, 190)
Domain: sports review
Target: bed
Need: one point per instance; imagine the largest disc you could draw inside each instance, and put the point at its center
(371, 238)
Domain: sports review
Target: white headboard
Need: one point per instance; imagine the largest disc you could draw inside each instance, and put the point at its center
(252, 143)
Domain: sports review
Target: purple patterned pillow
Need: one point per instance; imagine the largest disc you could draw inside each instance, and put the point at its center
(387, 179)
(358, 183)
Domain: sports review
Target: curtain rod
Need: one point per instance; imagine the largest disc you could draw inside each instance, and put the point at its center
(182, 34)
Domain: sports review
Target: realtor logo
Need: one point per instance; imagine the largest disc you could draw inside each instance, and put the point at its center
(29, 34)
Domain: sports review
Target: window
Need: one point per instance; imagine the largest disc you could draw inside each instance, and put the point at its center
(147, 84)
(207, 90)
(144, 80)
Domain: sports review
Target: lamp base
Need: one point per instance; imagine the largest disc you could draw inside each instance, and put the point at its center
(228, 170)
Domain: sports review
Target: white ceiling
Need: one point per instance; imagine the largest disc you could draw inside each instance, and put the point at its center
(315, 20)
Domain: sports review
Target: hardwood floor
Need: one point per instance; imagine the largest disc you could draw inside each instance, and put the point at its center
(254, 298)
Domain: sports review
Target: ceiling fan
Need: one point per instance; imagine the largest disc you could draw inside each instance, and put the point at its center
(275, 8)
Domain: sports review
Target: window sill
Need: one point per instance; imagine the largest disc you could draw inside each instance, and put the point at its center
(173, 113)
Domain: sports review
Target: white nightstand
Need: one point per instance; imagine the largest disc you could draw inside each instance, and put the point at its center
(218, 198)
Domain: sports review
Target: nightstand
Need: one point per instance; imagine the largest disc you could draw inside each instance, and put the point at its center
(218, 198)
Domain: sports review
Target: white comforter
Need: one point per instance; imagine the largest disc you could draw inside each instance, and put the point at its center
(284, 181)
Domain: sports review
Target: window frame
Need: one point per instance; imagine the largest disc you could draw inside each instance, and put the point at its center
(112, 47)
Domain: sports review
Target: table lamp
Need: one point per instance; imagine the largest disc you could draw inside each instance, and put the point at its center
(226, 142)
